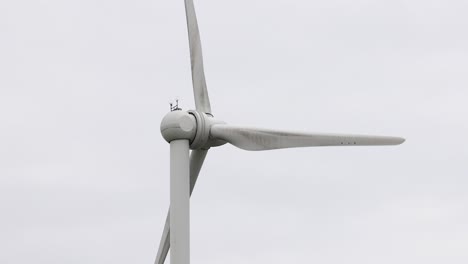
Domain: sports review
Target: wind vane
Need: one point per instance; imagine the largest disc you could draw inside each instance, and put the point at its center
(175, 107)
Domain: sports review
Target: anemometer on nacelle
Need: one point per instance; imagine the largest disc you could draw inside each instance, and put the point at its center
(175, 107)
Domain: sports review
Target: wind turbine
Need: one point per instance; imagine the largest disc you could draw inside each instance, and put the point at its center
(198, 130)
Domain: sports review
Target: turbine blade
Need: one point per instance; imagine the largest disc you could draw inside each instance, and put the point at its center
(196, 161)
(200, 92)
(197, 158)
(266, 139)
(164, 244)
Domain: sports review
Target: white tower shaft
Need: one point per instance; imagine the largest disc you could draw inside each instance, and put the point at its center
(180, 202)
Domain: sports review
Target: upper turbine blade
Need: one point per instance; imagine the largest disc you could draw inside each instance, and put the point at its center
(266, 139)
(196, 161)
(202, 101)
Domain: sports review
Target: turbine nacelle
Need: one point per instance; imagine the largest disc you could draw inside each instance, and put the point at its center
(178, 125)
(191, 125)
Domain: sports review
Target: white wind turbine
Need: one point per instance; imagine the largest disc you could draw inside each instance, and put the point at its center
(199, 130)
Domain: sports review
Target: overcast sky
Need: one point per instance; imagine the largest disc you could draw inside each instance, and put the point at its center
(84, 171)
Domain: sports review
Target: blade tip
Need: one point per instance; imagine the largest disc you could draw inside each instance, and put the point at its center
(399, 140)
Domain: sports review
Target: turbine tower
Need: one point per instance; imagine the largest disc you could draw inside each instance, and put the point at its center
(198, 131)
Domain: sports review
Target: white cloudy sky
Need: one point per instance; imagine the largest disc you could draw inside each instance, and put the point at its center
(84, 169)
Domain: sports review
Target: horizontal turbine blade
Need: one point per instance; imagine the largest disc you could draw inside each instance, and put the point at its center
(265, 139)
(196, 161)
(200, 92)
